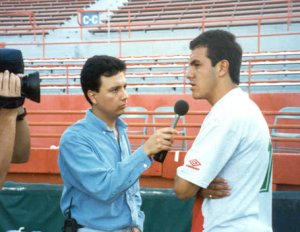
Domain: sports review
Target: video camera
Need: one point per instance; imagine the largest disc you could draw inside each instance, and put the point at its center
(12, 60)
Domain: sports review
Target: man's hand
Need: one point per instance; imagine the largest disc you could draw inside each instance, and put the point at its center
(218, 188)
(135, 229)
(10, 85)
(161, 140)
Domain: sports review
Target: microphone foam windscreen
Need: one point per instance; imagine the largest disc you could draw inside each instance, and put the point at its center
(181, 107)
(11, 60)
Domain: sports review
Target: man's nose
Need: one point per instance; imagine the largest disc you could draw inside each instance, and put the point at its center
(189, 75)
(124, 94)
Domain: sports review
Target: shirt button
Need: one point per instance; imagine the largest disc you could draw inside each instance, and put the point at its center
(145, 165)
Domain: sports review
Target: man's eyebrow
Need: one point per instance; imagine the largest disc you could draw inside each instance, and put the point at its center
(114, 87)
(193, 62)
(117, 86)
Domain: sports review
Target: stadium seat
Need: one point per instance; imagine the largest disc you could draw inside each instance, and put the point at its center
(136, 117)
(292, 116)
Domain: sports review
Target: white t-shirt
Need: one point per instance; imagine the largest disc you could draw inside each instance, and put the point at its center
(234, 143)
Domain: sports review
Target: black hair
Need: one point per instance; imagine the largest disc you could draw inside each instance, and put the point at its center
(221, 45)
(96, 67)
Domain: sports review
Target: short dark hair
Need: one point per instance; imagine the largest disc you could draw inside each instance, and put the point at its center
(221, 45)
(96, 67)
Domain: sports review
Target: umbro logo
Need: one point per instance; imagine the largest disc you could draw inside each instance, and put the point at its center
(194, 164)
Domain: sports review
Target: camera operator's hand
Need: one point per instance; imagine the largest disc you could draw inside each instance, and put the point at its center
(10, 85)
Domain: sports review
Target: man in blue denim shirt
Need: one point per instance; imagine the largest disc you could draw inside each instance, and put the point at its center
(100, 174)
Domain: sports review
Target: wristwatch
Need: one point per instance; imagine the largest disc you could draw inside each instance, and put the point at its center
(21, 115)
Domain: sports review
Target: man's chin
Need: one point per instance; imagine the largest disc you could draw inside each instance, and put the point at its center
(120, 113)
(195, 95)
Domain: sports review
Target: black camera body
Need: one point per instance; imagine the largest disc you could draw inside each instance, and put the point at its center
(71, 225)
(12, 60)
(30, 87)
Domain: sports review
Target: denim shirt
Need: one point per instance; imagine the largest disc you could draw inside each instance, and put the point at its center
(101, 175)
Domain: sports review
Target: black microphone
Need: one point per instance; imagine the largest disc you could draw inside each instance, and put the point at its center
(181, 108)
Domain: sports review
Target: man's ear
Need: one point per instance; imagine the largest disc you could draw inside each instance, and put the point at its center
(92, 96)
(223, 67)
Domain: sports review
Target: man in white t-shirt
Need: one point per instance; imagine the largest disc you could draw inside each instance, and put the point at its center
(233, 143)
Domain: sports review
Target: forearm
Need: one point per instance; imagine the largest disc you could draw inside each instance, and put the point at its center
(7, 138)
(218, 188)
(123, 176)
(83, 169)
(184, 189)
(22, 142)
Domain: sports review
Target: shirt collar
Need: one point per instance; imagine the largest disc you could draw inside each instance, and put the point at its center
(99, 124)
(228, 95)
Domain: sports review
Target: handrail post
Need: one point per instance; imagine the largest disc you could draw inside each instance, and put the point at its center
(184, 79)
(79, 12)
(67, 79)
(120, 42)
(249, 77)
(33, 24)
(289, 15)
(43, 44)
(258, 34)
(203, 19)
(129, 22)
